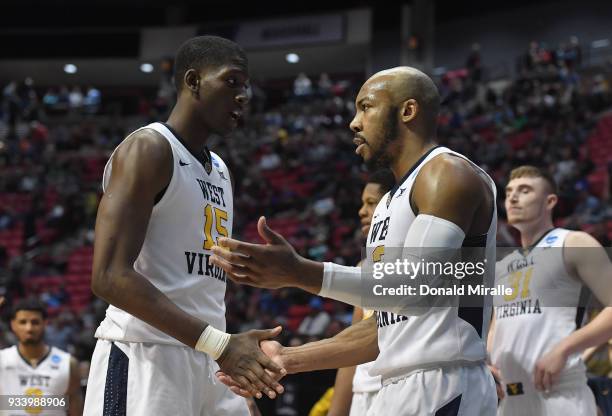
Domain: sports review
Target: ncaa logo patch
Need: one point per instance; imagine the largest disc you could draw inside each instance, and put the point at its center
(56, 358)
(551, 239)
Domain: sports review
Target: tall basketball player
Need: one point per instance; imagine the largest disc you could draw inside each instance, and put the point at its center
(34, 369)
(432, 363)
(534, 341)
(167, 199)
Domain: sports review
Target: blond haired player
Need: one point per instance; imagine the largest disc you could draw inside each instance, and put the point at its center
(534, 341)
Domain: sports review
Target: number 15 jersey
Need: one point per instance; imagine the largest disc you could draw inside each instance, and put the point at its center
(194, 211)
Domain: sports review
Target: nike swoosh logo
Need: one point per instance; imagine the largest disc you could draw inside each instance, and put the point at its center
(183, 163)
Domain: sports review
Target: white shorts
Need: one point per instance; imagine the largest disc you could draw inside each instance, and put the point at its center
(453, 391)
(144, 379)
(361, 402)
(575, 402)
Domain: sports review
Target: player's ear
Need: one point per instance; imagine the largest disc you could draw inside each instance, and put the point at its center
(409, 108)
(551, 201)
(192, 81)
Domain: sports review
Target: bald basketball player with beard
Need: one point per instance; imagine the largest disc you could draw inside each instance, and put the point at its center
(430, 362)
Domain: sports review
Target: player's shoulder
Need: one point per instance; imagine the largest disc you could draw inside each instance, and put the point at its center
(450, 166)
(449, 174)
(7, 349)
(53, 350)
(7, 353)
(580, 239)
(145, 154)
(145, 142)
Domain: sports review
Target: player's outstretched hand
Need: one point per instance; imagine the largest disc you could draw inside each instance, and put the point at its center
(272, 349)
(270, 265)
(249, 367)
(548, 369)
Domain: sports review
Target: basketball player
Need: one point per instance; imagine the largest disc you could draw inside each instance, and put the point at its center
(167, 199)
(34, 369)
(431, 363)
(534, 342)
(355, 389)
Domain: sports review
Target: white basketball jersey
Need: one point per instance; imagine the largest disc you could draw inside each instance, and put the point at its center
(196, 209)
(527, 324)
(50, 377)
(439, 337)
(363, 382)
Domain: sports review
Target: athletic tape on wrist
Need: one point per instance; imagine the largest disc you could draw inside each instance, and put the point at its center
(213, 342)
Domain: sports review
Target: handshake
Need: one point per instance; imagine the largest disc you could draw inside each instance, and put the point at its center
(252, 363)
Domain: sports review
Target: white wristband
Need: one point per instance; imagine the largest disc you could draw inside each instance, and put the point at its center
(213, 342)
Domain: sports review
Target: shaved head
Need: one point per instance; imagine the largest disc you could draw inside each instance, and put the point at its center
(403, 83)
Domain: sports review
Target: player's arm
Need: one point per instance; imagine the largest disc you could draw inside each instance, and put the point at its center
(343, 387)
(445, 215)
(141, 169)
(357, 344)
(587, 260)
(74, 393)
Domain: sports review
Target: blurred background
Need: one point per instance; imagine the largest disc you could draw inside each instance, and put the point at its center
(521, 82)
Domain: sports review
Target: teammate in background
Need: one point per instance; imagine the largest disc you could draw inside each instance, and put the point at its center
(534, 342)
(432, 362)
(34, 369)
(355, 389)
(167, 199)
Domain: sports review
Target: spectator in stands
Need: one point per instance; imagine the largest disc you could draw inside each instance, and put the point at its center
(589, 208)
(166, 93)
(324, 86)
(302, 86)
(92, 100)
(75, 98)
(474, 64)
(59, 331)
(317, 320)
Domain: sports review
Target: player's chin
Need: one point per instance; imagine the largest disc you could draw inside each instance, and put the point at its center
(514, 219)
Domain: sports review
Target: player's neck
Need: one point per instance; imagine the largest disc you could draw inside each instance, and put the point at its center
(410, 153)
(33, 353)
(194, 135)
(531, 234)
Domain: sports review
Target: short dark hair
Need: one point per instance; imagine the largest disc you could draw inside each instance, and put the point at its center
(528, 171)
(29, 304)
(206, 52)
(384, 178)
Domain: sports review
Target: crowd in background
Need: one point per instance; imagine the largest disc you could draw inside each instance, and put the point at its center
(293, 163)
